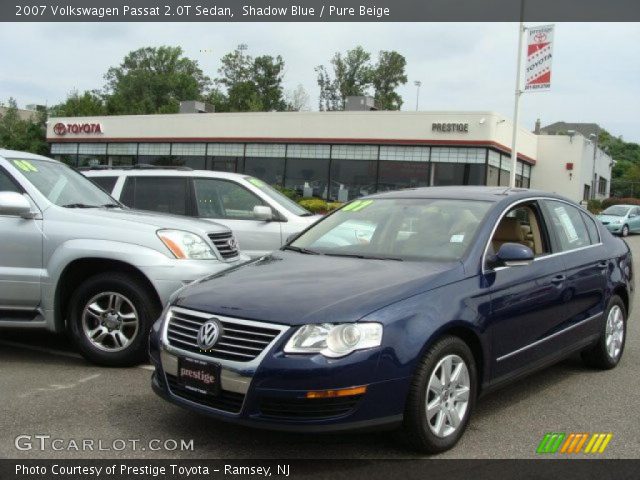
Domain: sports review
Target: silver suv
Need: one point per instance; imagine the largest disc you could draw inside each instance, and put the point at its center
(73, 258)
(260, 217)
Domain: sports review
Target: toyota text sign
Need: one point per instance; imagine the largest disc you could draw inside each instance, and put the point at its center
(539, 57)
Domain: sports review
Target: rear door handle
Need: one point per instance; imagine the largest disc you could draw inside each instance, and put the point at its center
(558, 279)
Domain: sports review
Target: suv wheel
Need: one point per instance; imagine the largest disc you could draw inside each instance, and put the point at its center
(607, 352)
(441, 397)
(109, 318)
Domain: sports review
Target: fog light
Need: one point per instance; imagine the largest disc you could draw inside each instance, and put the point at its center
(342, 392)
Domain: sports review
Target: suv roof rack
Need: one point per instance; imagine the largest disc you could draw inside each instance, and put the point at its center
(139, 166)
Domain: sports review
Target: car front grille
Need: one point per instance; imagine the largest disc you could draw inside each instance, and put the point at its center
(240, 341)
(226, 244)
(308, 408)
(228, 401)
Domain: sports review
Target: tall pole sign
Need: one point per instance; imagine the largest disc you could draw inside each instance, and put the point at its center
(537, 75)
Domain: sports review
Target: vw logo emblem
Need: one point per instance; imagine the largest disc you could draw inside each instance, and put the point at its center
(208, 334)
(232, 243)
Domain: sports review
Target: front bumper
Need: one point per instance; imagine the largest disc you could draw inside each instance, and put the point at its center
(271, 393)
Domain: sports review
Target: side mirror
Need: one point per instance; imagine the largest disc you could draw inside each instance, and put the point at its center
(15, 204)
(514, 255)
(632, 215)
(264, 213)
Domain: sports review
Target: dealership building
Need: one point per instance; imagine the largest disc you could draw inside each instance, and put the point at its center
(339, 155)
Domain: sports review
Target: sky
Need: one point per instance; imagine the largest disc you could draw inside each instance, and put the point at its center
(462, 66)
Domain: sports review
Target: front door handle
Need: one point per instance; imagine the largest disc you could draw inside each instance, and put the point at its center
(604, 264)
(558, 279)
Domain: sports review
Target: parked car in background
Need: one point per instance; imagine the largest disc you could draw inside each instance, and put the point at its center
(621, 219)
(260, 217)
(438, 295)
(74, 259)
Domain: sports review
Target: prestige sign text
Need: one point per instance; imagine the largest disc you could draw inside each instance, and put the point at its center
(450, 127)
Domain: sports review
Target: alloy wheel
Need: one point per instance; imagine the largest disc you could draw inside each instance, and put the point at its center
(110, 321)
(614, 332)
(448, 396)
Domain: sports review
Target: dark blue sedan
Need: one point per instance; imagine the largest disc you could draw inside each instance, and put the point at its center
(398, 310)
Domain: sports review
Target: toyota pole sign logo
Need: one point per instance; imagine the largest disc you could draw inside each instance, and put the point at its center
(208, 334)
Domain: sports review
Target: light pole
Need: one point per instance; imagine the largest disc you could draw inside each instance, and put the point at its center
(418, 84)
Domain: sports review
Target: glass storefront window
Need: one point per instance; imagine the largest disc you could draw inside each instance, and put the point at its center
(396, 175)
(121, 160)
(270, 170)
(458, 174)
(307, 176)
(223, 164)
(352, 179)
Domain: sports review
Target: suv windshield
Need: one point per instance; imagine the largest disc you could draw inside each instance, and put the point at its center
(396, 229)
(616, 211)
(283, 200)
(62, 185)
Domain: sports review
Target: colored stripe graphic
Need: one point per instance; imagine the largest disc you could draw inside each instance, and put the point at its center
(572, 443)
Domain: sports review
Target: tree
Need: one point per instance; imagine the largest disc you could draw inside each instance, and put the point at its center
(252, 84)
(352, 75)
(297, 100)
(76, 105)
(23, 134)
(387, 76)
(153, 80)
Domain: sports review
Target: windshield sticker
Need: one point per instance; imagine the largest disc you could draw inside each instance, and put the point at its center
(567, 224)
(256, 182)
(351, 206)
(362, 205)
(25, 165)
(458, 238)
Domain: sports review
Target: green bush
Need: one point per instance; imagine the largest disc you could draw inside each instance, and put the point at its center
(607, 202)
(594, 206)
(331, 206)
(315, 205)
(288, 192)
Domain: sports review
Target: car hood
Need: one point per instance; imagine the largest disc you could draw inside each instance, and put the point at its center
(294, 289)
(610, 218)
(129, 219)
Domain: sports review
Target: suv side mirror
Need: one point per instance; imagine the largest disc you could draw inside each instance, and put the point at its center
(15, 204)
(632, 215)
(262, 212)
(514, 255)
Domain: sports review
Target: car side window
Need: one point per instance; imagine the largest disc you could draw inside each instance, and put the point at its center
(157, 194)
(224, 199)
(592, 228)
(7, 184)
(522, 224)
(568, 225)
(105, 183)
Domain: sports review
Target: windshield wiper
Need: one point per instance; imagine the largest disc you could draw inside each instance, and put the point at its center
(79, 205)
(308, 214)
(111, 205)
(367, 257)
(300, 250)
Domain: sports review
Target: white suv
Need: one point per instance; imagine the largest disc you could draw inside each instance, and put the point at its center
(260, 217)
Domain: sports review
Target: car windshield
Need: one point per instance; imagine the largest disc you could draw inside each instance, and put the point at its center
(616, 211)
(283, 200)
(396, 229)
(62, 185)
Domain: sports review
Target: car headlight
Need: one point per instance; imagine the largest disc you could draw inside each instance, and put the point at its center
(185, 245)
(335, 340)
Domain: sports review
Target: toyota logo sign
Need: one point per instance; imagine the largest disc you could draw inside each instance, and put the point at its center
(59, 129)
(208, 334)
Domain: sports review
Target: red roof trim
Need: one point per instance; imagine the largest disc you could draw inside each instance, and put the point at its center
(378, 141)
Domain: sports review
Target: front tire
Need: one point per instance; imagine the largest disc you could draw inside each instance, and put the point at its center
(625, 231)
(110, 315)
(606, 354)
(441, 397)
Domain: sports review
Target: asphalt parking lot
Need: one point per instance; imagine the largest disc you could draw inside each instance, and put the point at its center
(48, 389)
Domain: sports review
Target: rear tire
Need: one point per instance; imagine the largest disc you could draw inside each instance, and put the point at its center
(606, 354)
(434, 422)
(109, 318)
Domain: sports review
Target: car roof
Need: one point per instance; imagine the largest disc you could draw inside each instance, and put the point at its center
(481, 193)
(24, 155)
(161, 172)
(627, 205)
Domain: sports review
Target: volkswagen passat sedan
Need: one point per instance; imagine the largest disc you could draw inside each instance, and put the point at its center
(454, 292)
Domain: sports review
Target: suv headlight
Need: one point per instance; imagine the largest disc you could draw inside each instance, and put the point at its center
(335, 340)
(185, 245)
